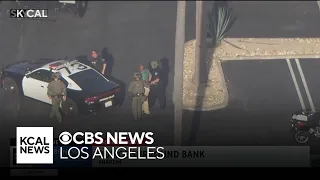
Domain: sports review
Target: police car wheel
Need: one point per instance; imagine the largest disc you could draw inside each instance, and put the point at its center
(301, 137)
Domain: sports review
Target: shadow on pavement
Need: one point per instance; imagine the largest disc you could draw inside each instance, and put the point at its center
(119, 99)
(109, 58)
(165, 70)
(204, 77)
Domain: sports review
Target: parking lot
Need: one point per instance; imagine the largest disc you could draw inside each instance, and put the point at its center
(262, 94)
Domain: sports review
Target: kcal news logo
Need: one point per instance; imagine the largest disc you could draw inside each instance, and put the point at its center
(34, 145)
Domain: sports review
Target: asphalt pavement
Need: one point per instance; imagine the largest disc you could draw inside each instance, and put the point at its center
(275, 19)
(262, 98)
(132, 33)
(262, 94)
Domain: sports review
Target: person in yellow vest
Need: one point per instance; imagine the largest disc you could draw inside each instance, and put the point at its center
(146, 77)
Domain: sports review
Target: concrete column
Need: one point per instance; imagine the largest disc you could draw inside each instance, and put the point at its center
(178, 71)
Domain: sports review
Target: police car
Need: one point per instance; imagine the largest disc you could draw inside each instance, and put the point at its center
(87, 90)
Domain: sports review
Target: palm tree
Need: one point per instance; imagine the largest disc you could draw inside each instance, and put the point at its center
(220, 20)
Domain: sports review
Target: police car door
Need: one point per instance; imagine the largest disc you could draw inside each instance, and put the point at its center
(35, 85)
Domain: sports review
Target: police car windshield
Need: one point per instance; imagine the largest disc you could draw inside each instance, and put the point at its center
(91, 81)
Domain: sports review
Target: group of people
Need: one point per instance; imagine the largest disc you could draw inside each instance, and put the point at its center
(57, 90)
(145, 89)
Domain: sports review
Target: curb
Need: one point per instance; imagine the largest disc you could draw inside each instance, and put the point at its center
(224, 87)
(269, 57)
(216, 107)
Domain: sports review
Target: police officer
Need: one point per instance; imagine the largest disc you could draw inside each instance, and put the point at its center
(157, 89)
(136, 92)
(98, 63)
(57, 92)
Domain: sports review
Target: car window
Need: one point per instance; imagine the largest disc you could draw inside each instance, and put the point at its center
(42, 75)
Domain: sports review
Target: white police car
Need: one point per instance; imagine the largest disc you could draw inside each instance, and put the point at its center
(87, 90)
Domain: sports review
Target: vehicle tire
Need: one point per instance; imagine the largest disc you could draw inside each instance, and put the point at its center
(292, 129)
(11, 97)
(116, 102)
(81, 7)
(301, 137)
(69, 109)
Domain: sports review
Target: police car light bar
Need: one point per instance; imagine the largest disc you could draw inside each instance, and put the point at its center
(55, 65)
(60, 65)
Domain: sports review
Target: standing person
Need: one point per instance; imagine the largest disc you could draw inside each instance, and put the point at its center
(136, 90)
(157, 89)
(57, 92)
(146, 77)
(98, 63)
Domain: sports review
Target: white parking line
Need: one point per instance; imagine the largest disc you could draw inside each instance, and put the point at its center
(318, 2)
(303, 106)
(305, 85)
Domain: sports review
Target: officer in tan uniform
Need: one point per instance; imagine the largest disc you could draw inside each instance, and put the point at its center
(57, 92)
(136, 92)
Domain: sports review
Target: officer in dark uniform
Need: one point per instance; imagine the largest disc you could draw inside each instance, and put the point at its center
(98, 63)
(136, 92)
(57, 92)
(157, 89)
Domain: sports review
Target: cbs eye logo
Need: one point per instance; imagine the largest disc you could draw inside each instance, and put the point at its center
(65, 138)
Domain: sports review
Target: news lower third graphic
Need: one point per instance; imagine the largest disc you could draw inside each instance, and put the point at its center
(119, 139)
(35, 147)
(85, 149)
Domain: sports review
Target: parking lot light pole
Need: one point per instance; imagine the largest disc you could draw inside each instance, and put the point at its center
(178, 71)
(200, 43)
